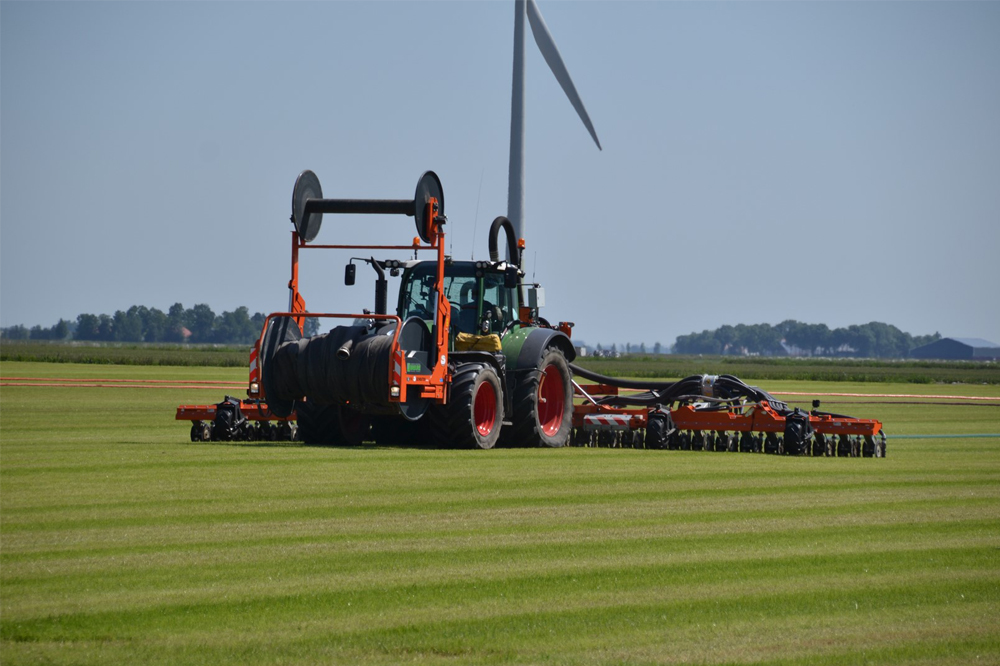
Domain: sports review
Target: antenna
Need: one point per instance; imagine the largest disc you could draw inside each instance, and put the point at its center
(479, 196)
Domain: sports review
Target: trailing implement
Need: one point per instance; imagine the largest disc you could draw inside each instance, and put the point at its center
(714, 413)
(465, 360)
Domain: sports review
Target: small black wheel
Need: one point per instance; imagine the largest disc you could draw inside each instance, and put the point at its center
(843, 446)
(771, 443)
(658, 430)
(819, 444)
(698, 441)
(721, 441)
(685, 441)
(731, 442)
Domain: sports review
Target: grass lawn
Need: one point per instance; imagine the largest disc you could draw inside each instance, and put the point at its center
(123, 542)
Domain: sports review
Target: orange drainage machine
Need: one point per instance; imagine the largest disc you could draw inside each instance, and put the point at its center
(308, 208)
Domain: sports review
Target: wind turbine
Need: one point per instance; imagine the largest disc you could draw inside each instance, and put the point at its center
(515, 179)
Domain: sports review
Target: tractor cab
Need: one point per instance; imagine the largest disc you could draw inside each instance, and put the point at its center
(483, 295)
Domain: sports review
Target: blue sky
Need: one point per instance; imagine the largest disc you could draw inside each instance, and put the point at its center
(826, 162)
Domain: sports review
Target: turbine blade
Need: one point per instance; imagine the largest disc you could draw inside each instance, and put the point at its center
(551, 54)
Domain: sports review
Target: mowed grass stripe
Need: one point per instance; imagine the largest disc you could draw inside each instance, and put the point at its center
(274, 569)
(120, 541)
(525, 583)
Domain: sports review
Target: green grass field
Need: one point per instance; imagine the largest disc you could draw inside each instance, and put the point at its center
(123, 542)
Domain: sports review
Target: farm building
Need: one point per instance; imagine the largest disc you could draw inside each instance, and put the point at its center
(958, 349)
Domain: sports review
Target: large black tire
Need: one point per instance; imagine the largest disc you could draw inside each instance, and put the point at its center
(331, 424)
(543, 403)
(474, 413)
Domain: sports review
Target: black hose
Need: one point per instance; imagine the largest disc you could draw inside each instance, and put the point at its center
(311, 367)
(616, 381)
(513, 251)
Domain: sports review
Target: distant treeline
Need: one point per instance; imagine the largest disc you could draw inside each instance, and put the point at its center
(201, 325)
(794, 338)
(141, 324)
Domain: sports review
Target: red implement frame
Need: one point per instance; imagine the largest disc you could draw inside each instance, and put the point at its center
(743, 417)
(430, 386)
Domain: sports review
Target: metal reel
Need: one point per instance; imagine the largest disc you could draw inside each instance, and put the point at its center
(306, 187)
(428, 186)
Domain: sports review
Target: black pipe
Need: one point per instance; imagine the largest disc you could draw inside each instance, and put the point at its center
(620, 383)
(361, 206)
(381, 288)
(513, 251)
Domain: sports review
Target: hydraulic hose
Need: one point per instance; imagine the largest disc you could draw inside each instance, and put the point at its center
(513, 251)
(617, 381)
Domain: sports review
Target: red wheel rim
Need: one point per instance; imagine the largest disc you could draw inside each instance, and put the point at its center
(484, 412)
(551, 400)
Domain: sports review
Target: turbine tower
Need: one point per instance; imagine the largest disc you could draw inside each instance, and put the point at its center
(515, 179)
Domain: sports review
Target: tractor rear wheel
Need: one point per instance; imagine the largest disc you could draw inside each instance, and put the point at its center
(474, 413)
(331, 424)
(543, 403)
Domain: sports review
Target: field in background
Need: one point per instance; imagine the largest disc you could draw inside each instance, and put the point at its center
(811, 369)
(124, 542)
(669, 366)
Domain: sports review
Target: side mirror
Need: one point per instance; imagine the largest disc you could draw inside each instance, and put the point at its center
(510, 277)
(350, 272)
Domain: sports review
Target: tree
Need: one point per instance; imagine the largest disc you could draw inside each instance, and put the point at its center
(155, 325)
(105, 328)
(127, 326)
(234, 327)
(87, 327)
(657, 348)
(61, 330)
(16, 332)
(176, 323)
(201, 322)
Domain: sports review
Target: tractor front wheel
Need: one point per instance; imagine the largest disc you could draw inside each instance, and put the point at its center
(474, 413)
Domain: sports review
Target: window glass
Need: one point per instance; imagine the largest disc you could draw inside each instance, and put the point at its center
(461, 288)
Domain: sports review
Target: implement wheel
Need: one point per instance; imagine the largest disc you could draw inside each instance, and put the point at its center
(543, 403)
(474, 413)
